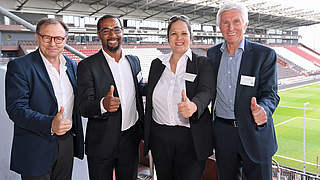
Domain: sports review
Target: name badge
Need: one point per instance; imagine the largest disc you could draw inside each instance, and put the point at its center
(247, 80)
(139, 76)
(189, 77)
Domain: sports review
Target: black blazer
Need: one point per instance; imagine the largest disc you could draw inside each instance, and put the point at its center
(31, 104)
(199, 92)
(94, 80)
(260, 62)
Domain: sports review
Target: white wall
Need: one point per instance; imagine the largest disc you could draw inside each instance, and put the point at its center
(310, 36)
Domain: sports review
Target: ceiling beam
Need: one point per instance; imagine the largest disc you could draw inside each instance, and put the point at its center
(21, 4)
(65, 7)
(100, 9)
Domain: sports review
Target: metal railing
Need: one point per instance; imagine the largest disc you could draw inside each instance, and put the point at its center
(285, 173)
(33, 29)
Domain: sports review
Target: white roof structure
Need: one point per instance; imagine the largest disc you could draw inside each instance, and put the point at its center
(262, 13)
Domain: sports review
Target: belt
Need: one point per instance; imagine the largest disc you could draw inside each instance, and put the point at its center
(231, 122)
(66, 135)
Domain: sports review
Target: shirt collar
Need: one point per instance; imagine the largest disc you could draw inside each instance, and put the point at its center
(189, 54)
(224, 44)
(48, 64)
(109, 58)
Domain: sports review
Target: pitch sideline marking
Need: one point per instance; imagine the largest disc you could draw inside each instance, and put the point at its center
(313, 164)
(303, 85)
(286, 121)
(279, 124)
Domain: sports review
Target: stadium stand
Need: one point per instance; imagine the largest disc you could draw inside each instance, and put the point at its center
(164, 50)
(146, 55)
(286, 68)
(301, 52)
(296, 59)
(198, 51)
(286, 72)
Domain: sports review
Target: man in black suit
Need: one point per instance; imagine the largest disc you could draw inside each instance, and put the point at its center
(244, 100)
(109, 83)
(40, 95)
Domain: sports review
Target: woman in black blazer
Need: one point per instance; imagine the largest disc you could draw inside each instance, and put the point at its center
(178, 125)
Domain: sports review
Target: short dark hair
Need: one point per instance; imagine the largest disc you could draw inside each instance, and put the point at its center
(176, 18)
(51, 21)
(106, 17)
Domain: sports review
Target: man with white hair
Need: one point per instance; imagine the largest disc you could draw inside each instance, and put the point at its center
(244, 99)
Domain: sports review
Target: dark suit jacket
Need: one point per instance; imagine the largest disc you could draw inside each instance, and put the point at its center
(260, 62)
(94, 81)
(199, 92)
(31, 104)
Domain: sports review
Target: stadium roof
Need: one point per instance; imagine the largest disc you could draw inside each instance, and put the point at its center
(262, 14)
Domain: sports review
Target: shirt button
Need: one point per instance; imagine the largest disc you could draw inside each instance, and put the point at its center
(230, 100)
(230, 58)
(229, 72)
(229, 86)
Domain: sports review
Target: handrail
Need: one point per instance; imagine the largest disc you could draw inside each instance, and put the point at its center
(33, 29)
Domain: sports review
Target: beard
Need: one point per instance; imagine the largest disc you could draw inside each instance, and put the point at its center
(112, 49)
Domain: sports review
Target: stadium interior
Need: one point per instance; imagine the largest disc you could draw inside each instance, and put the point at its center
(145, 21)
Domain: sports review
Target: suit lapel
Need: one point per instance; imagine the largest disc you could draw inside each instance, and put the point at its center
(216, 64)
(246, 59)
(71, 74)
(133, 67)
(42, 72)
(216, 61)
(155, 76)
(192, 69)
(107, 73)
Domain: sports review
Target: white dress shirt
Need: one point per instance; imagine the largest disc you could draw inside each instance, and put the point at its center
(122, 75)
(62, 86)
(167, 93)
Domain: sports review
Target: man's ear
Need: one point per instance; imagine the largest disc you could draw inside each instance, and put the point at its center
(37, 37)
(98, 33)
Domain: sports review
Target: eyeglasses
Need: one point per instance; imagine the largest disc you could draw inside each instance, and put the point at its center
(178, 17)
(106, 31)
(47, 39)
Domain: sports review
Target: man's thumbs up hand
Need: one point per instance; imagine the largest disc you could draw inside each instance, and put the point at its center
(258, 113)
(110, 93)
(111, 103)
(186, 108)
(184, 96)
(60, 126)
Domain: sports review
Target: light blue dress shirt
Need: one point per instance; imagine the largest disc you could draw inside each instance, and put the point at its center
(227, 81)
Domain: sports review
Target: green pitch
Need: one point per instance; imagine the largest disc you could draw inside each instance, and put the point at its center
(289, 127)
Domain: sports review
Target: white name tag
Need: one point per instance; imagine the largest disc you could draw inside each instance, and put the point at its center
(189, 77)
(247, 80)
(139, 76)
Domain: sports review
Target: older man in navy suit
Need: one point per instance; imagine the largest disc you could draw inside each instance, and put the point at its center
(40, 95)
(244, 100)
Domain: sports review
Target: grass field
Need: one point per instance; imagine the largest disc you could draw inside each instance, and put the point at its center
(289, 127)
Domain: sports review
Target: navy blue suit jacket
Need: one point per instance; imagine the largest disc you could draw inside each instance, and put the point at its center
(260, 62)
(31, 104)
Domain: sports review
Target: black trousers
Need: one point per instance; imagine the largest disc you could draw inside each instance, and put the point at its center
(173, 153)
(62, 163)
(125, 162)
(232, 158)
